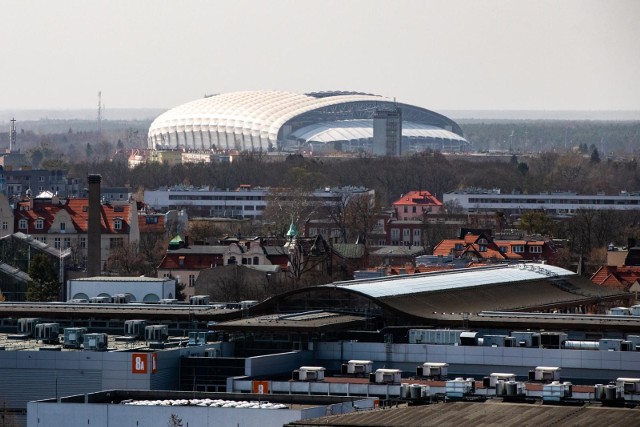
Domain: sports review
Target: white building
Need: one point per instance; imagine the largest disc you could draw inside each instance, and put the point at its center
(245, 202)
(552, 202)
(141, 289)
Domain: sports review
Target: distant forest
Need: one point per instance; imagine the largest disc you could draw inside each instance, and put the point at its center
(536, 156)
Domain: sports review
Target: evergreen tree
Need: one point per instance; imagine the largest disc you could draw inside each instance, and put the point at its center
(43, 285)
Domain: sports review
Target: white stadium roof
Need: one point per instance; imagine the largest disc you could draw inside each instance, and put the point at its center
(455, 279)
(349, 130)
(254, 120)
(257, 114)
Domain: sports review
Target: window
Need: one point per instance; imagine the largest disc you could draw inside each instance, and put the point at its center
(67, 242)
(482, 241)
(56, 243)
(41, 178)
(518, 249)
(192, 280)
(406, 233)
(313, 232)
(395, 234)
(535, 249)
(63, 227)
(83, 242)
(22, 224)
(458, 247)
(256, 260)
(117, 224)
(406, 209)
(181, 261)
(39, 224)
(483, 248)
(115, 242)
(504, 249)
(5, 225)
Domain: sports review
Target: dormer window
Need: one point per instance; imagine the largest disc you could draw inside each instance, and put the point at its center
(482, 241)
(458, 247)
(39, 224)
(117, 224)
(22, 224)
(63, 227)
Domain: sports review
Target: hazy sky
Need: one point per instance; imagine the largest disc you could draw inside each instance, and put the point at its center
(476, 54)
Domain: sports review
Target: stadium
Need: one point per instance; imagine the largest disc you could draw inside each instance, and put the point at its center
(280, 121)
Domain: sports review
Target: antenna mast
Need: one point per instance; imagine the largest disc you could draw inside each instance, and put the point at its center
(12, 135)
(99, 111)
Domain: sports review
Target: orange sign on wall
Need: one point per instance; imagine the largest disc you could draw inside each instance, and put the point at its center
(154, 363)
(261, 387)
(139, 363)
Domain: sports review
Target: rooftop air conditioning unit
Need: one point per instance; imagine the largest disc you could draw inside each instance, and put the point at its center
(432, 370)
(48, 333)
(545, 374)
(100, 300)
(27, 326)
(357, 367)
(135, 328)
(121, 299)
(212, 352)
(387, 376)
(311, 373)
(629, 385)
(74, 337)
(199, 300)
(156, 333)
(96, 342)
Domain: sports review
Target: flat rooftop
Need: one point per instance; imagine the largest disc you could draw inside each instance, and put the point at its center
(487, 414)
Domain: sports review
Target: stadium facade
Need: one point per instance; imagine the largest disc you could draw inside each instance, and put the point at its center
(277, 120)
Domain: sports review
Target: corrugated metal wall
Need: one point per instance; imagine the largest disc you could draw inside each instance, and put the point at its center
(19, 386)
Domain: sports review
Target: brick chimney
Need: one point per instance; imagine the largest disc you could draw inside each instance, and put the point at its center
(94, 266)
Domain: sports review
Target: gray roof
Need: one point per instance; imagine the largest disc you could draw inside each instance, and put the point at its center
(20, 275)
(399, 250)
(349, 250)
(121, 279)
(452, 279)
(201, 249)
(36, 244)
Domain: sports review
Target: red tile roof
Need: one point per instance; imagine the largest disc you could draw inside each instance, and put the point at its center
(151, 223)
(77, 210)
(616, 277)
(417, 198)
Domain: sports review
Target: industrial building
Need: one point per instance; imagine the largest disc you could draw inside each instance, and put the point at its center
(362, 339)
(277, 120)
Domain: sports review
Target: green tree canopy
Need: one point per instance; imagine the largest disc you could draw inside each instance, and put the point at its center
(43, 285)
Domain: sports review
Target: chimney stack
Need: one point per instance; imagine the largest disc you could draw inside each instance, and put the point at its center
(94, 266)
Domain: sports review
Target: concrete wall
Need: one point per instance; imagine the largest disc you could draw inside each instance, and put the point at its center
(162, 288)
(587, 364)
(281, 363)
(98, 415)
(34, 375)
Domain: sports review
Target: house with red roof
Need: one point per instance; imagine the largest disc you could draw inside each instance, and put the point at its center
(63, 224)
(185, 262)
(415, 204)
(482, 247)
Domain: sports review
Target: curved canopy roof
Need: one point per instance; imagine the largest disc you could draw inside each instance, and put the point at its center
(256, 115)
(437, 295)
(350, 130)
